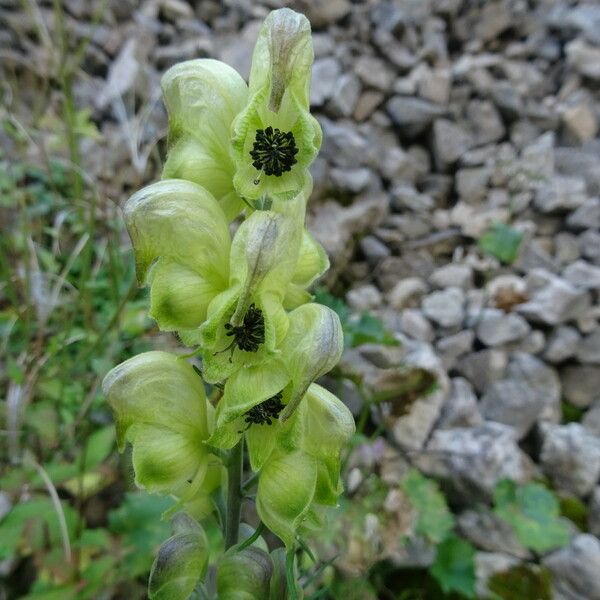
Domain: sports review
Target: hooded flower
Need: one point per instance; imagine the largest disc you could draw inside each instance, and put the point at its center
(303, 470)
(260, 400)
(243, 142)
(247, 322)
(160, 407)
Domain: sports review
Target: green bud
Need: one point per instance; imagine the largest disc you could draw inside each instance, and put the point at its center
(203, 97)
(244, 575)
(181, 562)
(275, 138)
(160, 407)
(179, 232)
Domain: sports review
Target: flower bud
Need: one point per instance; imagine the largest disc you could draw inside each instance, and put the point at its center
(244, 575)
(180, 563)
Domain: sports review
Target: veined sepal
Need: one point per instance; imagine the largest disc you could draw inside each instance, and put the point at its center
(203, 97)
(181, 242)
(286, 490)
(244, 574)
(313, 346)
(160, 407)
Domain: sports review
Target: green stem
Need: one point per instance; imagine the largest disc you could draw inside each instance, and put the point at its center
(234, 494)
(249, 541)
(290, 576)
(250, 483)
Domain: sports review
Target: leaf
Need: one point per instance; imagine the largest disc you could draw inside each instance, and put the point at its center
(534, 513)
(454, 567)
(575, 510)
(366, 329)
(502, 242)
(99, 446)
(522, 582)
(370, 330)
(180, 563)
(31, 525)
(138, 521)
(434, 520)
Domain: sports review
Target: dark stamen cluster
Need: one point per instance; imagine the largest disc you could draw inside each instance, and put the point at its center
(251, 333)
(265, 412)
(274, 151)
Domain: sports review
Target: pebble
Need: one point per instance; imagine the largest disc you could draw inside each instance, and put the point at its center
(570, 457)
(446, 308)
(495, 327)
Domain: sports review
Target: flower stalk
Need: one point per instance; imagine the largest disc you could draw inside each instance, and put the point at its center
(235, 466)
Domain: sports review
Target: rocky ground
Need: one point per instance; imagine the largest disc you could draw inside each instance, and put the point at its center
(441, 119)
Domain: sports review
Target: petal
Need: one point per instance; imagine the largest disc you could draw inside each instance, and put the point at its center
(179, 220)
(261, 440)
(156, 388)
(295, 296)
(244, 575)
(179, 296)
(285, 491)
(312, 347)
(282, 57)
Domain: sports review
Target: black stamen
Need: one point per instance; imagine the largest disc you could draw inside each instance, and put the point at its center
(265, 412)
(274, 151)
(249, 335)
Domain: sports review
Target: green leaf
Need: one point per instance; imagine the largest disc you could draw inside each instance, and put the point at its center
(522, 582)
(534, 513)
(138, 522)
(575, 510)
(99, 446)
(454, 567)
(370, 330)
(502, 242)
(366, 329)
(181, 562)
(32, 525)
(434, 520)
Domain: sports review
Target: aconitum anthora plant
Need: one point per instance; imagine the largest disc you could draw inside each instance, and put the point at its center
(222, 245)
